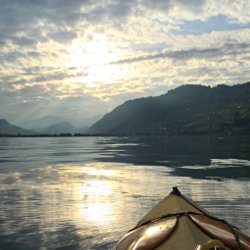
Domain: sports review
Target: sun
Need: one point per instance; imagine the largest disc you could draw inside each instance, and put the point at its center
(96, 52)
(95, 58)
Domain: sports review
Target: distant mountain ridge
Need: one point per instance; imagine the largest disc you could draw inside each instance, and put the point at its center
(43, 122)
(8, 129)
(58, 128)
(188, 109)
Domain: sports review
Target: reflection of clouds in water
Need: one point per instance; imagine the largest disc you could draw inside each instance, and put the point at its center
(10, 179)
(60, 191)
(96, 187)
(50, 196)
(230, 162)
(221, 163)
(100, 208)
(219, 169)
(100, 200)
(98, 213)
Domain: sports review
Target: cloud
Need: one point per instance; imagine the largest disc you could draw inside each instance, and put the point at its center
(19, 15)
(64, 36)
(47, 78)
(41, 100)
(227, 49)
(50, 56)
(157, 4)
(23, 41)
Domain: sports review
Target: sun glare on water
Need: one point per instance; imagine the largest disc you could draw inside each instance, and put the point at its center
(95, 59)
(96, 193)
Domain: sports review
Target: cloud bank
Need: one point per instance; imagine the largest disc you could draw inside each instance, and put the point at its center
(79, 57)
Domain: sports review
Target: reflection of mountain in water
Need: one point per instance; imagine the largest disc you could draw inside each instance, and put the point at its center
(218, 169)
(192, 156)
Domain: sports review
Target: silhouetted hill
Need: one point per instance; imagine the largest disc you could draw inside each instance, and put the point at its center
(8, 129)
(188, 109)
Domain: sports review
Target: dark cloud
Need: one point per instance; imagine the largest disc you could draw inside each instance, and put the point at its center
(167, 5)
(235, 49)
(16, 15)
(65, 6)
(227, 49)
(18, 82)
(142, 58)
(27, 15)
(23, 15)
(2, 40)
(23, 41)
(15, 56)
(51, 77)
(9, 83)
(113, 11)
(34, 70)
(246, 58)
(64, 36)
(34, 54)
(32, 92)
(10, 57)
(30, 76)
(157, 4)
(59, 18)
(55, 19)
(148, 47)
(194, 53)
(120, 9)
(191, 4)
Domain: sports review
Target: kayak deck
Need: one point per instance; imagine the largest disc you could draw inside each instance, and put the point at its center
(178, 223)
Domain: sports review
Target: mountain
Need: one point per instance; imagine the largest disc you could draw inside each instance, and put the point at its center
(44, 122)
(82, 123)
(58, 128)
(82, 130)
(40, 123)
(8, 129)
(188, 109)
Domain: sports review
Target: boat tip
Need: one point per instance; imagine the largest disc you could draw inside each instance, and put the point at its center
(176, 191)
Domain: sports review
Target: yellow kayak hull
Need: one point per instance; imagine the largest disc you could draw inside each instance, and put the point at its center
(179, 223)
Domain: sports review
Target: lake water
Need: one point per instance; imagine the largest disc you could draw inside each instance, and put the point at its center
(85, 192)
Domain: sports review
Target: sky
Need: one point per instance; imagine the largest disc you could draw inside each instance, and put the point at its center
(81, 58)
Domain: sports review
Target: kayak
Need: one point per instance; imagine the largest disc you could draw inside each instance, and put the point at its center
(178, 223)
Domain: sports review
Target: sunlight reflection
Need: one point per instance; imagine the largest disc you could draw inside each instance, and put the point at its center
(102, 199)
(97, 193)
(153, 230)
(96, 187)
(63, 197)
(100, 213)
(98, 170)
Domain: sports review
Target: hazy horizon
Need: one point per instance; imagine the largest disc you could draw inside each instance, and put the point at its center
(83, 58)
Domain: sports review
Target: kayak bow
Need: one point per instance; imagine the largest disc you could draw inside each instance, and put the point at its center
(178, 223)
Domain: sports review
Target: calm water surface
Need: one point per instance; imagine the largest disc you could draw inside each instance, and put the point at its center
(84, 193)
